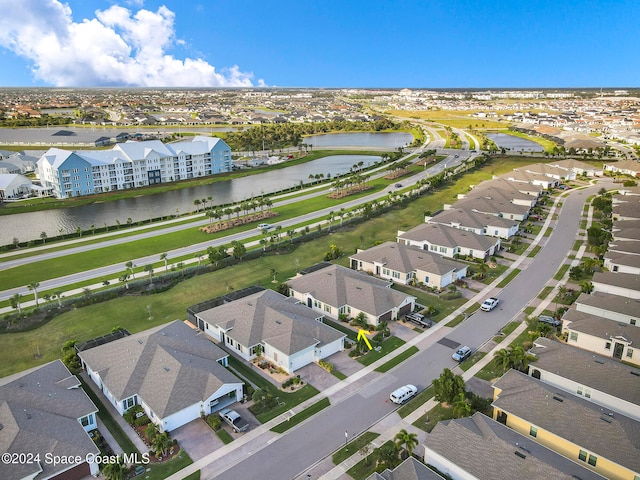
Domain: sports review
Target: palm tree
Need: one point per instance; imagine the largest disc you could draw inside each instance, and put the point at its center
(461, 408)
(115, 470)
(196, 202)
(407, 440)
(149, 269)
(43, 236)
(58, 296)
(161, 443)
(129, 265)
(15, 302)
(163, 256)
(124, 278)
(211, 214)
(502, 356)
(34, 286)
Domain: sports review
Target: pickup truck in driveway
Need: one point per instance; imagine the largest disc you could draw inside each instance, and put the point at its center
(232, 417)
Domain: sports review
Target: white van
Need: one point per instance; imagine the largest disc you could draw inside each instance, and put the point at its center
(403, 394)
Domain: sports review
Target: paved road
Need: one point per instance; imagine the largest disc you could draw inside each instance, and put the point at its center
(291, 454)
(116, 269)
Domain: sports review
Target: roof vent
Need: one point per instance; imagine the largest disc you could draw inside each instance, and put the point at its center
(166, 369)
(605, 418)
(1, 426)
(597, 360)
(632, 372)
(559, 398)
(278, 322)
(140, 341)
(520, 454)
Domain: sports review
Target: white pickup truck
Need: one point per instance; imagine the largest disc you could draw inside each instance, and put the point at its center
(232, 417)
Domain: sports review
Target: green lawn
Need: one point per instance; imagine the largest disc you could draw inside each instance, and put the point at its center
(159, 471)
(301, 416)
(463, 316)
(385, 367)
(353, 446)
(561, 271)
(493, 273)
(512, 274)
(224, 436)
(430, 419)
(416, 402)
(469, 362)
(365, 467)
(443, 307)
(388, 345)
(534, 251)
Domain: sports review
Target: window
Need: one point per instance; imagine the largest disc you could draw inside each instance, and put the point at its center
(443, 249)
(129, 402)
(593, 460)
(632, 321)
(582, 456)
(396, 275)
(86, 421)
(629, 352)
(607, 346)
(433, 248)
(327, 308)
(533, 431)
(385, 271)
(573, 336)
(587, 392)
(579, 391)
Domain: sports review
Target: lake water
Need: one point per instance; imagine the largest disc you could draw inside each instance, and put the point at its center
(511, 142)
(28, 226)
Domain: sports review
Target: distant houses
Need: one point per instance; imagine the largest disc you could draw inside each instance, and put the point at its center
(131, 164)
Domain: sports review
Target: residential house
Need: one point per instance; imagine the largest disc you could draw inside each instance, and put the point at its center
(623, 262)
(577, 167)
(568, 424)
(628, 230)
(131, 164)
(45, 412)
(476, 222)
(625, 167)
(626, 207)
(335, 290)
(13, 185)
(450, 241)
(504, 184)
(410, 469)
(173, 371)
(493, 206)
(532, 178)
(480, 448)
(501, 194)
(289, 334)
(616, 283)
(598, 379)
(405, 264)
(549, 170)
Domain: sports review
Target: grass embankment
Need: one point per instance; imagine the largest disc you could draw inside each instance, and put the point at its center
(19, 351)
(353, 446)
(301, 416)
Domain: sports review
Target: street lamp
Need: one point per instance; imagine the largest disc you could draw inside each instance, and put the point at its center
(346, 437)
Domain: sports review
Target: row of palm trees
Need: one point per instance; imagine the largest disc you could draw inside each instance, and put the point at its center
(219, 213)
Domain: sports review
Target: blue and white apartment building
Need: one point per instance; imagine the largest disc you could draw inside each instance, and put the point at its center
(130, 165)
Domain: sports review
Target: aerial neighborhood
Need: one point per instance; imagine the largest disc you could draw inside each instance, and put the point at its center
(437, 306)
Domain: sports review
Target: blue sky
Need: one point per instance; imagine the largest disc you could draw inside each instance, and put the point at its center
(316, 43)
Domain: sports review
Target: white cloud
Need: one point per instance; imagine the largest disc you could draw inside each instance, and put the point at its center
(116, 48)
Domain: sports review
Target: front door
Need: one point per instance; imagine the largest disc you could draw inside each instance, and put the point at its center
(617, 350)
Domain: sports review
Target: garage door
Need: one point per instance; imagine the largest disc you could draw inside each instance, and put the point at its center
(404, 310)
(385, 318)
(75, 473)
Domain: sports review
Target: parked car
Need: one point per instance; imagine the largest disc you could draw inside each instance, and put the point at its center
(265, 226)
(461, 354)
(234, 419)
(489, 304)
(398, 185)
(549, 320)
(418, 319)
(403, 394)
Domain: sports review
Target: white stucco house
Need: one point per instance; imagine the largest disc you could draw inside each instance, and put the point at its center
(476, 222)
(173, 371)
(289, 334)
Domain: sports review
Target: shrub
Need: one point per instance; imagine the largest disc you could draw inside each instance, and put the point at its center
(151, 431)
(142, 420)
(214, 421)
(130, 415)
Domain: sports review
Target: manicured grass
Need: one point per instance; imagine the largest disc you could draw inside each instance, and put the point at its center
(224, 436)
(493, 369)
(20, 351)
(193, 476)
(512, 274)
(463, 316)
(389, 345)
(301, 416)
(351, 335)
(159, 471)
(416, 402)
(509, 327)
(430, 419)
(534, 251)
(353, 446)
(443, 307)
(547, 232)
(365, 467)
(577, 244)
(469, 362)
(544, 293)
(385, 367)
(105, 417)
(561, 271)
(338, 374)
(493, 273)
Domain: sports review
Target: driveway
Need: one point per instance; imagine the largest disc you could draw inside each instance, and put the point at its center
(317, 376)
(198, 440)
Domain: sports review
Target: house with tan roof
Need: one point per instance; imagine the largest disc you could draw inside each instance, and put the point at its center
(45, 412)
(501, 194)
(405, 264)
(173, 371)
(478, 447)
(476, 222)
(336, 290)
(493, 206)
(449, 241)
(504, 184)
(606, 442)
(289, 334)
(526, 177)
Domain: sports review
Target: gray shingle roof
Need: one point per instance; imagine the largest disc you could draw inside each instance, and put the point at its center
(623, 280)
(487, 449)
(436, 234)
(624, 259)
(471, 219)
(526, 188)
(39, 413)
(403, 258)
(625, 246)
(338, 286)
(170, 367)
(272, 318)
(499, 193)
(599, 326)
(594, 371)
(610, 302)
(617, 438)
(491, 206)
(410, 469)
